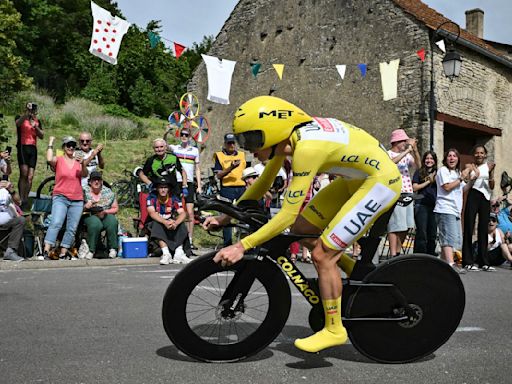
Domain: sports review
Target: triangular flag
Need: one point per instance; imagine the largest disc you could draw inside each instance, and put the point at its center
(389, 79)
(178, 49)
(341, 70)
(279, 69)
(421, 54)
(441, 46)
(154, 39)
(362, 68)
(255, 68)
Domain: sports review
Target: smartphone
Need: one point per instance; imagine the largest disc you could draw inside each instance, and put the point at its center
(5, 177)
(8, 149)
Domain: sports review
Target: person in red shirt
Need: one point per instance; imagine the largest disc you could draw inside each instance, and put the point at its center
(68, 199)
(29, 129)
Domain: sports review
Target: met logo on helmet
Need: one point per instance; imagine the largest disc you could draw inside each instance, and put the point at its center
(280, 114)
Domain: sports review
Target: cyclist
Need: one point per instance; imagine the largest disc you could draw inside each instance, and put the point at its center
(369, 185)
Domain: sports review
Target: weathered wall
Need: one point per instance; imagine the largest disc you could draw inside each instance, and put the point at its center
(481, 94)
(311, 36)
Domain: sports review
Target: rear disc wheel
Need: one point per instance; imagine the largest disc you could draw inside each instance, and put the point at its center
(436, 296)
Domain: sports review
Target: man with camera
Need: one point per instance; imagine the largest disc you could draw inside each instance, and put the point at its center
(29, 129)
(228, 168)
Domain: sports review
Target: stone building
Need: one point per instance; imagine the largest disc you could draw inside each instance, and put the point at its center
(310, 37)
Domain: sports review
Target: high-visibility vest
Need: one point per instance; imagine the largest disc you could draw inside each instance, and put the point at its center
(233, 178)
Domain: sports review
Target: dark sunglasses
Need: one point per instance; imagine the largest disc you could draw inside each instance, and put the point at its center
(492, 221)
(85, 141)
(185, 134)
(70, 145)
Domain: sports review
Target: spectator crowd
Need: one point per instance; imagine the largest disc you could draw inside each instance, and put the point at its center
(448, 208)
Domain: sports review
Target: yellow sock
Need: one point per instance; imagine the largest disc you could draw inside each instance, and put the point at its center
(333, 332)
(346, 263)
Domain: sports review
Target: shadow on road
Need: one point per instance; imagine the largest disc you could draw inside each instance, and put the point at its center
(171, 352)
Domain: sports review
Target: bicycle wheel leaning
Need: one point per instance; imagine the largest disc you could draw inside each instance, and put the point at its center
(123, 190)
(45, 189)
(201, 324)
(430, 286)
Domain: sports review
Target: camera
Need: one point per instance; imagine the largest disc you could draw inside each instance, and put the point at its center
(8, 149)
(32, 107)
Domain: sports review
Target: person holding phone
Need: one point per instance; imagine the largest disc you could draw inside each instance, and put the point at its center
(5, 163)
(29, 129)
(67, 199)
(229, 166)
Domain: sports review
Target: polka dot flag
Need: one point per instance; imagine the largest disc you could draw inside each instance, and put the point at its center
(107, 34)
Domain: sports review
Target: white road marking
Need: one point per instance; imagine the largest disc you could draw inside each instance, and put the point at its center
(469, 329)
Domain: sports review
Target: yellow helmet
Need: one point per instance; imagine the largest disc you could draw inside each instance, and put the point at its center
(264, 121)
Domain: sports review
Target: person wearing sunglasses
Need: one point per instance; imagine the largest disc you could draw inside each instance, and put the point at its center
(67, 196)
(189, 159)
(272, 128)
(93, 158)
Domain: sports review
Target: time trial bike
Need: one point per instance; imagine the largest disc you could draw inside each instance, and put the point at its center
(398, 311)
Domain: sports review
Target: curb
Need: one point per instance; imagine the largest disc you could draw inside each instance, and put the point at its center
(51, 264)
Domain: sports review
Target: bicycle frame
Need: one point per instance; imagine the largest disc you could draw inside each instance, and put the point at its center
(241, 283)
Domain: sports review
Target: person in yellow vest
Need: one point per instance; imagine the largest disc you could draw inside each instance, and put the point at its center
(229, 166)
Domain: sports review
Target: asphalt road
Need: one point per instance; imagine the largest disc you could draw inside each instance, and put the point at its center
(103, 325)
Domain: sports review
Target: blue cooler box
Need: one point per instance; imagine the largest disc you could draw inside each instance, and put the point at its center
(135, 247)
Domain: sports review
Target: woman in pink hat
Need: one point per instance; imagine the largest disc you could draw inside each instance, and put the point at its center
(405, 155)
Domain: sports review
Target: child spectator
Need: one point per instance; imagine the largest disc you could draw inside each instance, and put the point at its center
(424, 184)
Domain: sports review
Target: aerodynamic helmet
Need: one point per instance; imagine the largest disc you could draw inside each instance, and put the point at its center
(264, 121)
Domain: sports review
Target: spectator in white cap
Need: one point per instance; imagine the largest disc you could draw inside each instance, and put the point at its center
(250, 175)
(404, 153)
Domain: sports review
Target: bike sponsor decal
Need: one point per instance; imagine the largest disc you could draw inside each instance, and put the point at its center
(294, 197)
(297, 280)
(325, 124)
(280, 114)
(360, 216)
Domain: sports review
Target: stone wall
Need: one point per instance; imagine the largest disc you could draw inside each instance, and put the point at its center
(311, 36)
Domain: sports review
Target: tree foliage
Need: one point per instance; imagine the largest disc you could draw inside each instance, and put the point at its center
(53, 37)
(12, 67)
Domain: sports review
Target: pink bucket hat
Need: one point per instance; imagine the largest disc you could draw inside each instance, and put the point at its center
(398, 135)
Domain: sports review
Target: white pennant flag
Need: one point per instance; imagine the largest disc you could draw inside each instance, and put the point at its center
(441, 46)
(389, 78)
(219, 78)
(341, 70)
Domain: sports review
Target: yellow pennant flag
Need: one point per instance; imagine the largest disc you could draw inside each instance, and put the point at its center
(279, 69)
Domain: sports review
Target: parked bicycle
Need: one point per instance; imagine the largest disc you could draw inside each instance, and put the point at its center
(398, 311)
(127, 190)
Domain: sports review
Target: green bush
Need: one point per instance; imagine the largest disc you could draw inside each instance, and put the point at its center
(102, 87)
(142, 97)
(49, 114)
(119, 111)
(114, 128)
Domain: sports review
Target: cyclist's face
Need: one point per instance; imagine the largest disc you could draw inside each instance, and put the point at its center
(159, 148)
(263, 154)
